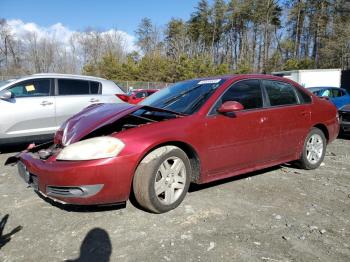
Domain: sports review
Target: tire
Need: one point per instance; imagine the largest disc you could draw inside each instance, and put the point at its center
(314, 149)
(169, 170)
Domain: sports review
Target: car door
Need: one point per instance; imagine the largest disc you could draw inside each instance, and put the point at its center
(236, 141)
(74, 95)
(289, 119)
(31, 111)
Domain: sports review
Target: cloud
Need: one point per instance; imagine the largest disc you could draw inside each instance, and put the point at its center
(61, 33)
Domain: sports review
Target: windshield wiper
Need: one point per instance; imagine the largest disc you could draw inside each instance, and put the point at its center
(157, 109)
(198, 101)
(173, 99)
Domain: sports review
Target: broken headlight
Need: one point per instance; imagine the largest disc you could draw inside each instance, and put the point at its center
(93, 148)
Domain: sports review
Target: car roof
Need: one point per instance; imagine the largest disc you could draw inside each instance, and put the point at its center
(71, 76)
(248, 76)
(106, 83)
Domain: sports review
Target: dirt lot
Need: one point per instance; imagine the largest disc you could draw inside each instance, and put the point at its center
(279, 214)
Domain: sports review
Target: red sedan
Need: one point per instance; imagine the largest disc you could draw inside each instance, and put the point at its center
(195, 131)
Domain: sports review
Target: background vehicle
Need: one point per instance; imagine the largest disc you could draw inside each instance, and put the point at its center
(33, 107)
(344, 116)
(338, 96)
(313, 77)
(137, 95)
(197, 131)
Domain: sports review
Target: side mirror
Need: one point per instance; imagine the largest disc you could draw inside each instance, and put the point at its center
(6, 95)
(230, 107)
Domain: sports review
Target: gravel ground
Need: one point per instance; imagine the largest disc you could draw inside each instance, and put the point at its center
(278, 214)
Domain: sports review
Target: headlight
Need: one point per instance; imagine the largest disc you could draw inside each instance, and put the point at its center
(93, 148)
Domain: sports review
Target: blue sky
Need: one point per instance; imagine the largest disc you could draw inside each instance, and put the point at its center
(76, 15)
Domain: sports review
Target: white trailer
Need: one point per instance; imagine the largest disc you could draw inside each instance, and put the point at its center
(313, 77)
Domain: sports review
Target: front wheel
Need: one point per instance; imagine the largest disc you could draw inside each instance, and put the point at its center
(162, 179)
(314, 149)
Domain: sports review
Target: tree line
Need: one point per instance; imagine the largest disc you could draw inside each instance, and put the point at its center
(221, 37)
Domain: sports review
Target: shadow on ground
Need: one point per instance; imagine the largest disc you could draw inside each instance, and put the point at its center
(198, 187)
(17, 147)
(117, 206)
(96, 246)
(344, 136)
(83, 208)
(4, 239)
(13, 148)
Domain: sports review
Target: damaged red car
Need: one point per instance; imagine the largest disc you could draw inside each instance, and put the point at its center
(194, 131)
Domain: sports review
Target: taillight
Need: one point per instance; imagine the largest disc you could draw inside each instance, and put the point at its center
(123, 97)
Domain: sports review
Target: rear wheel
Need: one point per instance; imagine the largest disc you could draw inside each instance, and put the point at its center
(314, 149)
(162, 179)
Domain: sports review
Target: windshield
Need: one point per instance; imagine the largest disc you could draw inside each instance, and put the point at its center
(185, 97)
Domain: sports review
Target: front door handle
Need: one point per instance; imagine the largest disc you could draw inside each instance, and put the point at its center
(94, 100)
(46, 103)
(263, 119)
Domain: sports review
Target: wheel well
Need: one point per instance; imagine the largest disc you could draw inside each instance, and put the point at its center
(324, 129)
(191, 154)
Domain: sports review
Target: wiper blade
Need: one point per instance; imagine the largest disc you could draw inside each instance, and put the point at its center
(198, 101)
(157, 109)
(173, 99)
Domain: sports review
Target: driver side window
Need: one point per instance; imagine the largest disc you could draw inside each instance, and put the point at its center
(246, 92)
(38, 87)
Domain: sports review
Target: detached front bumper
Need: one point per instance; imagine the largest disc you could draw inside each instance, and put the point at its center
(92, 182)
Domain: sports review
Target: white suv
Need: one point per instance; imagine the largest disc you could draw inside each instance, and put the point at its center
(33, 107)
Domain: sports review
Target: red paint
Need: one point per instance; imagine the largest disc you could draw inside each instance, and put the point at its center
(230, 107)
(225, 146)
(136, 95)
(123, 97)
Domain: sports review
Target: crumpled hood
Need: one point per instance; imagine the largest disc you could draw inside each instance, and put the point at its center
(90, 119)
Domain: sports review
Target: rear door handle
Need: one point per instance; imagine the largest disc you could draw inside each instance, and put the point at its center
(46, 103)
(93, 100)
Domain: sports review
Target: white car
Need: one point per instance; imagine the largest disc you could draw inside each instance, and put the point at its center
(32, 108)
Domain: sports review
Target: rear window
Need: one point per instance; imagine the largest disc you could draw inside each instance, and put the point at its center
(280, 93)
(337, 92)
(95, 87)
(78, 87)
(142, 94)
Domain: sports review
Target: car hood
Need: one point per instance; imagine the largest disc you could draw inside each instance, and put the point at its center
(90, 119)
(95, 117)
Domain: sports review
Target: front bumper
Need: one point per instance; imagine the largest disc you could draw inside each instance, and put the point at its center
(92, 182)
